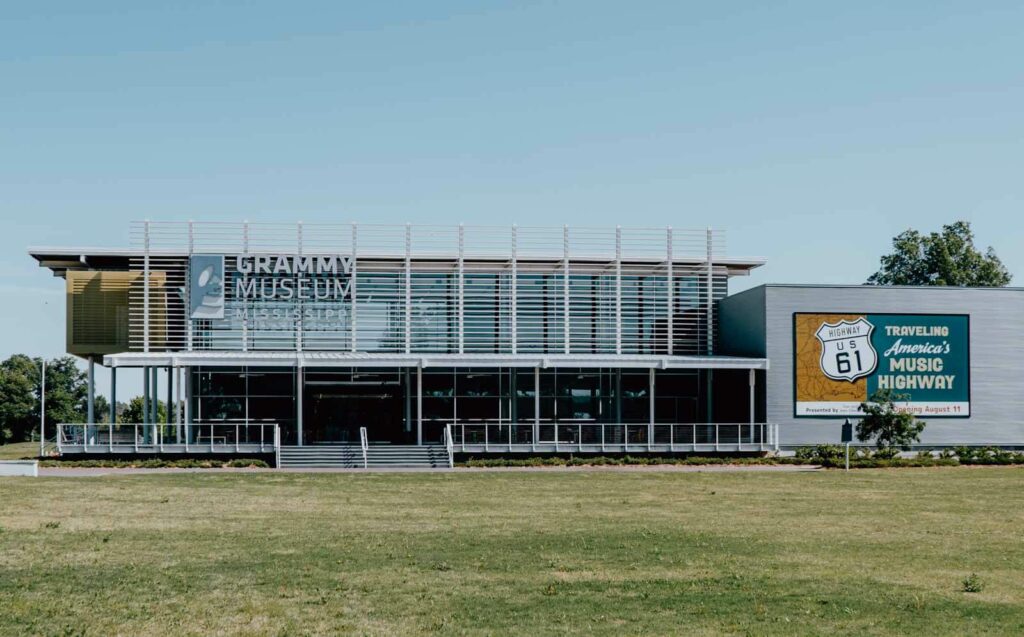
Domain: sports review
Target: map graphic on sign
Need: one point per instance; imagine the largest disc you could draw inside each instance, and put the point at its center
(846, 350)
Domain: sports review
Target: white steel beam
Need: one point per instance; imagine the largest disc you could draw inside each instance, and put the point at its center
(353, 305)
(513, 291)
(461, 292)
(408, 288)
(145, 290)
(565, 286)
(711, 295)
(618, 289)
(670, 317)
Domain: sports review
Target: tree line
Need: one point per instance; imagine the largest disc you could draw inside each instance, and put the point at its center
(66, 398)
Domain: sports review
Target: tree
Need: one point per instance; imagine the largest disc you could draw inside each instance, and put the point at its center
(133, 412)
(891, 429)
(101, 408)
(946, 258)
(66, 396)
(19, 398)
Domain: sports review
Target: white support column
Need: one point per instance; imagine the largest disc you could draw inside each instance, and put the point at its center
(461, 299)
(419, 404)
(186, 373)
(113, 395)
(91, 395)
(42, 411)
(408, 288)
(513, 290)
(565, 286)
(753, 381)
(169, 415)
(669, 291)
(353, 305)
(536, 406)
(145, 288)
(618, 289)
(299, 386)
(650, 416)
(179, 374)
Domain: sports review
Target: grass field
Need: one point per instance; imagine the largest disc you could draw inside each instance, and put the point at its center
(19, 450)
(871, 552)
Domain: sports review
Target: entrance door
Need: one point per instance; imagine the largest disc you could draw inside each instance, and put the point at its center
(337, 405)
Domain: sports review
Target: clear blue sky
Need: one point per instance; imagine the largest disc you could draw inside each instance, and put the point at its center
(811, 132)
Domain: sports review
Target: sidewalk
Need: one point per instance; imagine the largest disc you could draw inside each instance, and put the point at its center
(82, 472)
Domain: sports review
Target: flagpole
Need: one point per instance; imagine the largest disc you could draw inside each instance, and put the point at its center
(42, 410)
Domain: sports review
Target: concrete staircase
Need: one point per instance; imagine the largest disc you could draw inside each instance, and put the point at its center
(377, 456)
(427, 456)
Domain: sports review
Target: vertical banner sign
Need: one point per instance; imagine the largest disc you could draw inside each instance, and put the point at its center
(206, 286)
(840, 360)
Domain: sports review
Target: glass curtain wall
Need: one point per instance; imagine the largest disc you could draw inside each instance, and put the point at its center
(245, 395)
(338, 402)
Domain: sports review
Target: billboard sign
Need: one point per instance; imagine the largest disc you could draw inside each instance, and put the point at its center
(839, 360)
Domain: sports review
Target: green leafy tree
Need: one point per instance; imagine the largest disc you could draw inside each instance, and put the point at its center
(19, 398)
(891, 429)
(66, 395)
(940, 258)
(133, 412)
(101, 407)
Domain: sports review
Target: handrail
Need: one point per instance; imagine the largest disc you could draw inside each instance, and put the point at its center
(201, 437)
(492, 436)
(365, 446)
(449, 444)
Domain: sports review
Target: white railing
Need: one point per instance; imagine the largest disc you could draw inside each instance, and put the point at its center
(591, 437)
(449, 444)
(208, 437)
(365, 446)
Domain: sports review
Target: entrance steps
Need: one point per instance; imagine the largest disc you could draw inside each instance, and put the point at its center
(432, 456)
(351, 456)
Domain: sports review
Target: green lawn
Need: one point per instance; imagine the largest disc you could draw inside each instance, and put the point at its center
(871, 552)
(19, 450)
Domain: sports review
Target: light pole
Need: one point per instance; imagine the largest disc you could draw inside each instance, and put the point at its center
(42, 408)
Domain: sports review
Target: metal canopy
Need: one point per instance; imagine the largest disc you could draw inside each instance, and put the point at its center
(348, 359)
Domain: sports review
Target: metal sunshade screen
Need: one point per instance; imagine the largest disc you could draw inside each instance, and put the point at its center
(97, 308)
(441, 289)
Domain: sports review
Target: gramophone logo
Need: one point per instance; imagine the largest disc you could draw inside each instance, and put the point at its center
(206, 286)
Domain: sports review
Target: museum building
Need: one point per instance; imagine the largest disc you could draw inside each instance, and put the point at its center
(359, 345)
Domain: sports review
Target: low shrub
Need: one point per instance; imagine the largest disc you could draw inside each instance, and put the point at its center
(821, 452)
(597, 461)
(987, 456)
(972, 584)
(157, 463)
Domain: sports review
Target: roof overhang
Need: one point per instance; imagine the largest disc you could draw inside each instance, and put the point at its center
(60, 260)
(347, 359)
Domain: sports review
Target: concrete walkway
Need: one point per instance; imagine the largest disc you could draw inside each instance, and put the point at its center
(82, 472)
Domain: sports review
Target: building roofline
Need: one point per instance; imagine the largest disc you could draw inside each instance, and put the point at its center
(863, 286)
(61, 259)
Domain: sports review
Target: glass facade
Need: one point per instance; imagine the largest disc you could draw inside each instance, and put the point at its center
(337, 402)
